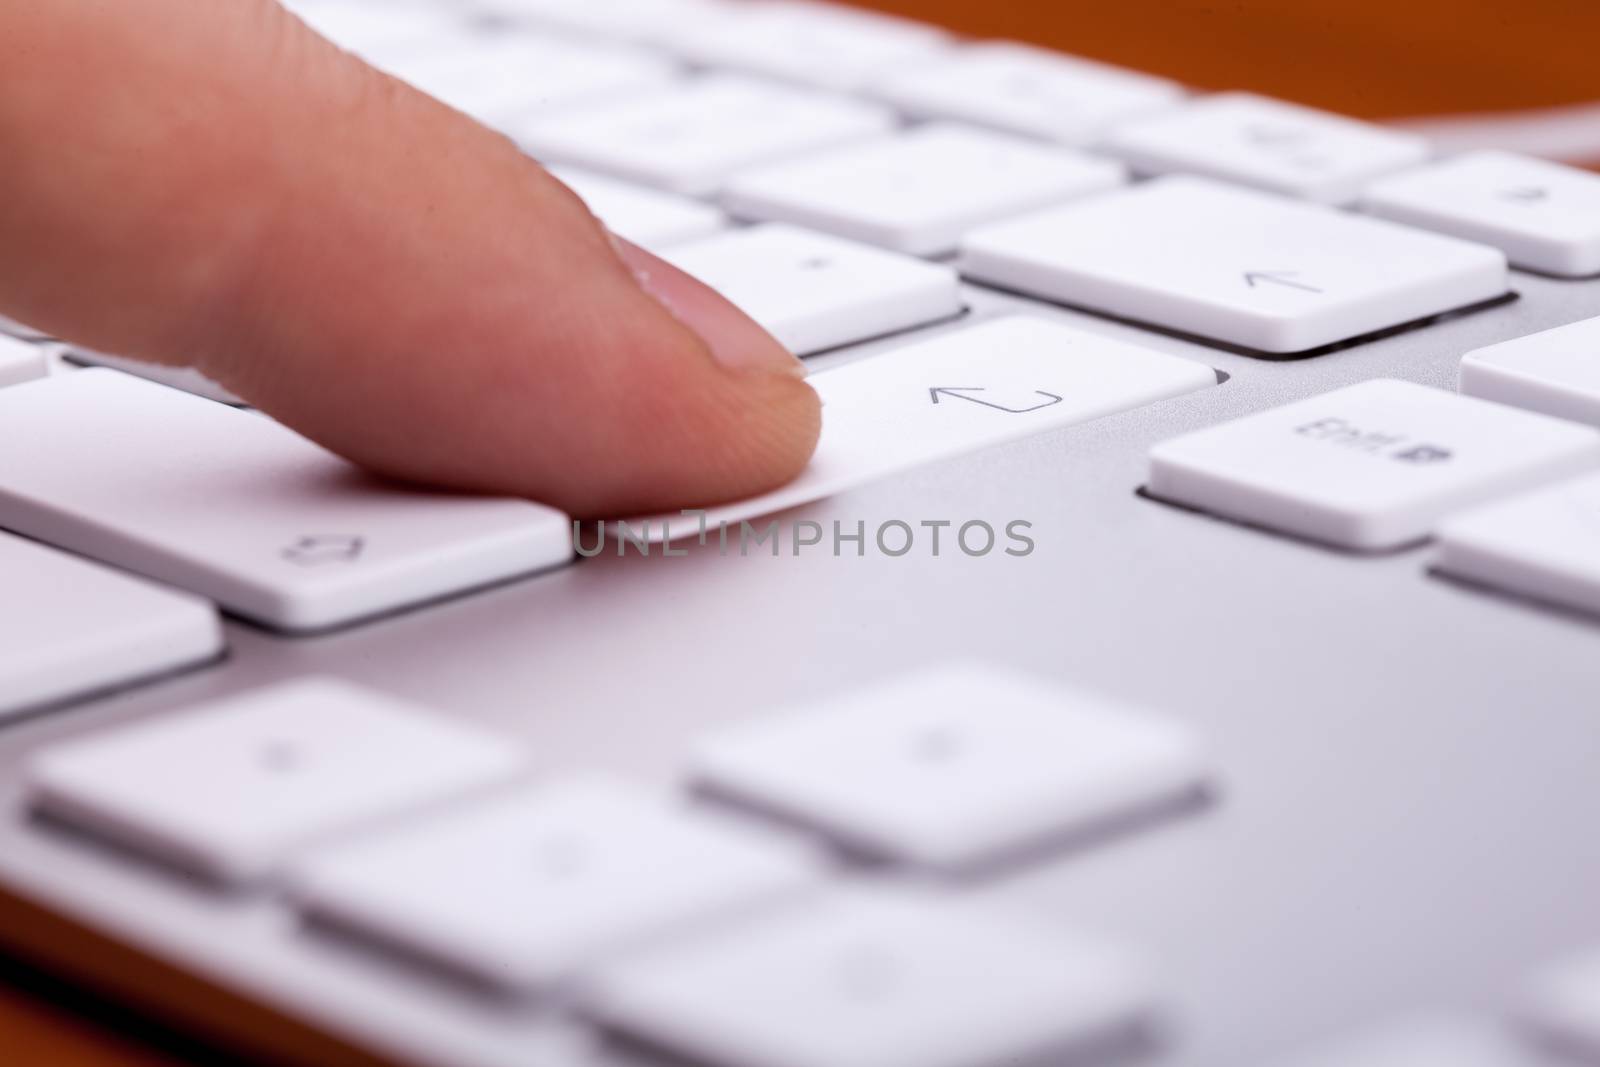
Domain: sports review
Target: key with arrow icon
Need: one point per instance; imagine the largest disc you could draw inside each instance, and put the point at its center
(883, 417)
(1249, 269)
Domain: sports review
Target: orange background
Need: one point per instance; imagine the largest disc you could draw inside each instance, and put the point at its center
(1376, 58)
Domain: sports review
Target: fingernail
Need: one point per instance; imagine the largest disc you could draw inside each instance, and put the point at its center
(735, 339)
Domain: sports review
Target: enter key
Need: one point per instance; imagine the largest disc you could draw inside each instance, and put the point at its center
(958, 392)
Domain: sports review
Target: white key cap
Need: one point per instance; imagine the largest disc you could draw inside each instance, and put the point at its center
(648, 218)
(1371, 466)
(1243, 267)
(1026, 90)
(859, 980)
(1554, 371)
(959, 392)
(689, 139)
(525, 889)
(954, 766)
(506, 80)
(234, 507)
(1540, 544)
(824, 45)
(186, 378)
(229, 790)
(1564, 1005)
(1542, 215)
(20, 361)
(1443, 1041)
(1270, 144)
(69, 628)
(814, 292)
(918, 192)
(644, 21)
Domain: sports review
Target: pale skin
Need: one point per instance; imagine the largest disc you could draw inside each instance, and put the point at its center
(208, 183)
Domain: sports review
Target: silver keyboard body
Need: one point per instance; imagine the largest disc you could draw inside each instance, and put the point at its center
(1404, 764)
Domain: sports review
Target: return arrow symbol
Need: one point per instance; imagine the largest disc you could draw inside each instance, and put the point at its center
(960, 391)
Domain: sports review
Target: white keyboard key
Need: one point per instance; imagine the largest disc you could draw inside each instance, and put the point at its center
(1274, 145)
(1540, 544)
(648, 218)
(873, 980)
(229, 790)
(1444, 1041)
(825, 45)
(232, 506)
(659, 22)
(918, 192)
(955, 766)
(505, 80)
(814, 292)
(1026, 90)
(1243, 267)
(1564, 1006)
(186, 378)
(69, 628)
(526, 889)
(958, 392)
(689, 139)
(1554, 371)
(1542, 215)
(1371, 466)
(20, 361)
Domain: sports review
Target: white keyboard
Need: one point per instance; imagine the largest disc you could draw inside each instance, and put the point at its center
(984, 741)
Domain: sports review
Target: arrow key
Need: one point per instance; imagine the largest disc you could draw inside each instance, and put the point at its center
(1249, 269)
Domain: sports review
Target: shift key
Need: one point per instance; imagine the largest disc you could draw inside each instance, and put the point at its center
(241, 510)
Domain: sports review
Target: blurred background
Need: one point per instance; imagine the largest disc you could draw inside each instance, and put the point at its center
(1372, 58)
(1523, 71)
(1519, 75)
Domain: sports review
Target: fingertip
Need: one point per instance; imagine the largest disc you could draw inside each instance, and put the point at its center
(734, 339)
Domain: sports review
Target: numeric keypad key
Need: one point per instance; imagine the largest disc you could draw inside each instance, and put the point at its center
(956, 766)
(229, 790)
(874, 980)
(527, 888)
